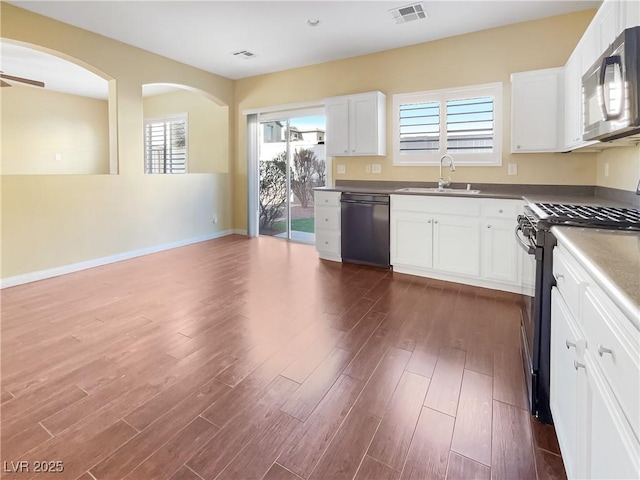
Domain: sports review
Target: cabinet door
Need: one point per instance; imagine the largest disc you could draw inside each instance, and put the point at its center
(411, 239)
(536, 120)
(456, 244)
(337, 138)
(572, 102)
(563, 393)
(363, 124)
(612, 452)
(607, 23)
(499, 252)
(629, 14)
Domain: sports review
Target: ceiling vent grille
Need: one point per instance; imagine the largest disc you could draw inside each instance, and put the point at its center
(245, 54)
(416, 11)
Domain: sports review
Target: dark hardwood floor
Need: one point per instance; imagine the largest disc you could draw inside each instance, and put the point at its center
(247, 358)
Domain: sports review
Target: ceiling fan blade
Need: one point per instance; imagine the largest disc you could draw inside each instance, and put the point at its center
(35, 83)
(4, 84)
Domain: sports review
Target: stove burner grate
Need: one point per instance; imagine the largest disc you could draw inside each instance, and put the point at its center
(588, 214)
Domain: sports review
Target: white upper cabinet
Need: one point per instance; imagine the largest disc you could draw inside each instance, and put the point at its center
(607, 24)
(629, 14)
(356, 124)
(572, 103)
(536, 111)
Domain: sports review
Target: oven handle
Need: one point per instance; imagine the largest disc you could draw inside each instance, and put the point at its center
(530, 249)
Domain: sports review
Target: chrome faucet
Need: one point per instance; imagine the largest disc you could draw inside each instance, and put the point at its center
(441, 181)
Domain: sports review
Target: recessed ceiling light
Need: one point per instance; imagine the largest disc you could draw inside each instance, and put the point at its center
(313, 22)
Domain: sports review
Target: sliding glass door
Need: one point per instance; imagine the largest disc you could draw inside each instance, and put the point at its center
(291, 164)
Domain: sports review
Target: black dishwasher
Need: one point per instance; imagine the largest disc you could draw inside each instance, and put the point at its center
(365, 229)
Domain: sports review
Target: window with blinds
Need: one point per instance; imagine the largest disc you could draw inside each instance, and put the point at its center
(463, 122)
(165, 144)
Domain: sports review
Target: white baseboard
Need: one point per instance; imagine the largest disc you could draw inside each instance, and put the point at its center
(96, 262)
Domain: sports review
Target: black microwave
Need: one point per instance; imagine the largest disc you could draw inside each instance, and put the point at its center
(611, 90)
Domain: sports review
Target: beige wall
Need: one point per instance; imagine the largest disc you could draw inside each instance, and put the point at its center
(37, 124)
(624, 168)
(55, 220)
(481, 57)
(208, 128)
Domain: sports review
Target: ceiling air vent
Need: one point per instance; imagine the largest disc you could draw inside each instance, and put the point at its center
(409, 13)
(245, 54)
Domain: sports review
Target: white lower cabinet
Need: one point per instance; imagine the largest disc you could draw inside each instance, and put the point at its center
(499, 256)
(566, 348)
(456, 244)
(412, 239)
(327, 225)
(595, 377)
(465, 240)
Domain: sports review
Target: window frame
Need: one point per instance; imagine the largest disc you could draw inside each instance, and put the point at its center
(493, 159)
(174, 117)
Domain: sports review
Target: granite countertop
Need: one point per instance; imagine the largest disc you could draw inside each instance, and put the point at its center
(529, 193)
(613, 258)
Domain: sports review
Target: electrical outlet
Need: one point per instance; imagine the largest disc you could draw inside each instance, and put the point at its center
(367, 169)
(606, 169)
(58, 157)
(512, 169)
(215, 218)
(342, 169)
(376, 168)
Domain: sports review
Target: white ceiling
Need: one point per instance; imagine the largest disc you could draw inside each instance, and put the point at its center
(57, 74)
(205, 33)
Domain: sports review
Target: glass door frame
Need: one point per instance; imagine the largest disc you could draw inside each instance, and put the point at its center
(254, 122)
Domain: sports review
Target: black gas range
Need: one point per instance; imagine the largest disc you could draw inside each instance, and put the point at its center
(533, 234)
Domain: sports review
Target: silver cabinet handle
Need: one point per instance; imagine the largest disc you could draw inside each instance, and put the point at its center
(428, 221)
(435, 221)
(500, 211)
(577, 365)
(570, 344)
(326, 242)
(602, 350)
(326, 219)
(488, 226)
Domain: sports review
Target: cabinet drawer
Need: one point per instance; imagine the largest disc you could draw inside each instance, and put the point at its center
(502, 209)
(569, 278)
(327, 198)
(613, 352)
(440, 205)
(328, 242)
(327, 218)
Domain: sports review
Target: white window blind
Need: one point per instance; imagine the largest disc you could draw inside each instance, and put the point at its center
(165, 141)
(420, 127)
(462, 122)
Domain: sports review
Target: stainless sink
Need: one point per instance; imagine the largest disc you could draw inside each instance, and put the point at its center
(445, 191)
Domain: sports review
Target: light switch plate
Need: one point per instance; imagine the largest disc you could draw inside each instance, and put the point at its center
(376, 168)
(512, 169)
(342, 169)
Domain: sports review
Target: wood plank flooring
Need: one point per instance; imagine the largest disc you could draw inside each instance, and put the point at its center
(244, 358)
